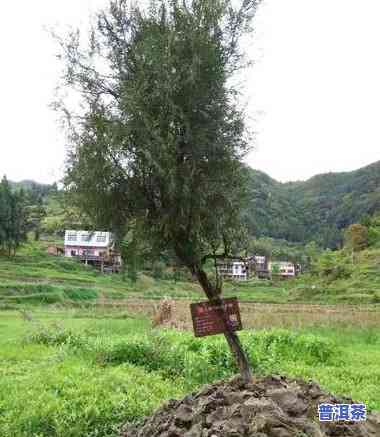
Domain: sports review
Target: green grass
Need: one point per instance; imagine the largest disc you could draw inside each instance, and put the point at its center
(47, 389)
(79, 369)
(80, 373)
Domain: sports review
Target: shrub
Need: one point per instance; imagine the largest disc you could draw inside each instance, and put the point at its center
(334, 265)
(81, 293)
(54, 335)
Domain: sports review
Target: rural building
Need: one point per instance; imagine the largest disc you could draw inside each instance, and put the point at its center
(92, 247)
(260, 262)
(234, 269)
(259, 266)
(243, 269)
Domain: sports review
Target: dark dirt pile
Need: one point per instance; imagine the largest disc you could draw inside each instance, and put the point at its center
(269, 407)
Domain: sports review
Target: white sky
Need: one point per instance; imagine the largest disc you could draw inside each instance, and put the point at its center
(313, 95)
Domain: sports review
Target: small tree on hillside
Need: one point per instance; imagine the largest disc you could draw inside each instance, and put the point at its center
(5, 213)
(356, 237)
(36, 213)
(160, 138)
(13, 218)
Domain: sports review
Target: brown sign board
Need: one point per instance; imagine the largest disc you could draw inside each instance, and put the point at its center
(207, 318)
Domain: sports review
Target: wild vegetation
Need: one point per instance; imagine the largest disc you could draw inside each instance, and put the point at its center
(78, 372)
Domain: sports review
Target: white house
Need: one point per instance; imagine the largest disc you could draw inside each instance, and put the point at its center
(259, 263)
(237, 270)
(88, 244)
(260, 260)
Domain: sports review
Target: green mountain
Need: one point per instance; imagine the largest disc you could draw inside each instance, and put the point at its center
(317, 209)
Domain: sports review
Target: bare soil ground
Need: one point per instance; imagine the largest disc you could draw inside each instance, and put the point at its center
(269, 407)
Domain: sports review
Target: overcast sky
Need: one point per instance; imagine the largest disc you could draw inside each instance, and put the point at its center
(312, 96)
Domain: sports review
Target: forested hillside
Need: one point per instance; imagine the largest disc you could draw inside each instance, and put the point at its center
(314, 210)
(34, 188)
(317, 209)
(49, 209)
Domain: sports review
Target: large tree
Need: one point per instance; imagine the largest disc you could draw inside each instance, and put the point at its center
(159, 138)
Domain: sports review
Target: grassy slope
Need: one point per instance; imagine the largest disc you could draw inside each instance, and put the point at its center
(33, 277)
(362, 287)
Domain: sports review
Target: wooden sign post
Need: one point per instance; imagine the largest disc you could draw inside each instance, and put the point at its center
(207, 318)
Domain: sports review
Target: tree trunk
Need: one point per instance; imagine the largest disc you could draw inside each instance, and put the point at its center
(241, 358)
(231, 336)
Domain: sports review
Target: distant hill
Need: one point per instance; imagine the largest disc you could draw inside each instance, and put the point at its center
(30, 185)
(317, 209)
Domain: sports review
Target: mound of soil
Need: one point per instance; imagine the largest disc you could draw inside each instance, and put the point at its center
(273, 406)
